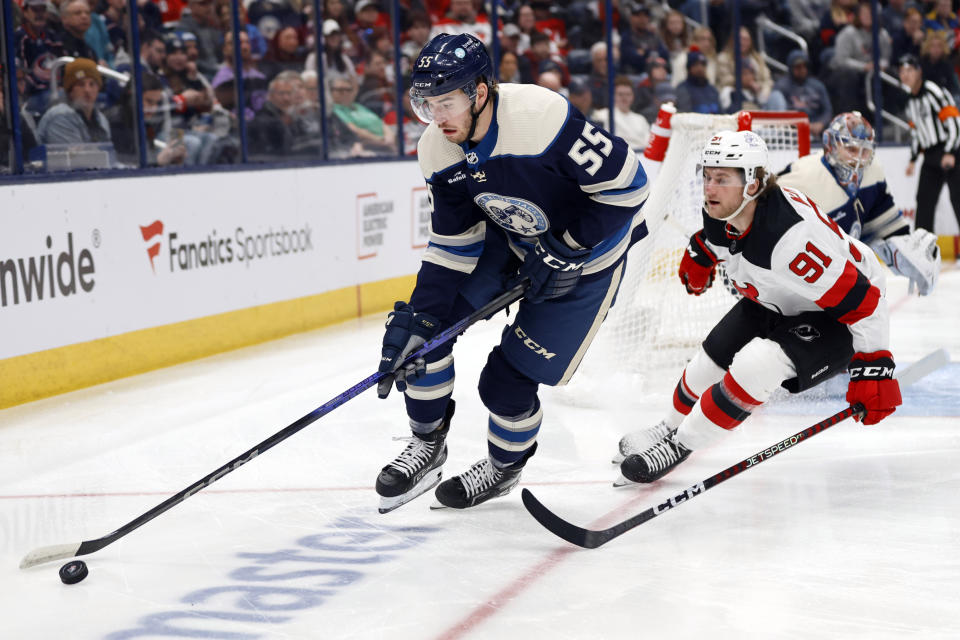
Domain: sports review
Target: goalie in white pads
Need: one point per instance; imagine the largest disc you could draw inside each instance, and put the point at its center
(848, 184)
(813, 306)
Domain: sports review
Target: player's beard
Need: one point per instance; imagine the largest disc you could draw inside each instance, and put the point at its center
(459, 137)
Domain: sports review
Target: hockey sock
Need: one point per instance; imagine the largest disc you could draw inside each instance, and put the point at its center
(427, 396)
(698, 375)
(756, 371)
(510, 437)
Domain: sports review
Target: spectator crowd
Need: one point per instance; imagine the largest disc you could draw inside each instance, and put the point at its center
(680, 51)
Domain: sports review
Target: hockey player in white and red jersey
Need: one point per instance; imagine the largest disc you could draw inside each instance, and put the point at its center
(813, 306)
(848, 184)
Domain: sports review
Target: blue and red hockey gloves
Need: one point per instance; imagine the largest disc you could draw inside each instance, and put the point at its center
(872, 384)
(698, 267)
(553, 268)
(406, 332)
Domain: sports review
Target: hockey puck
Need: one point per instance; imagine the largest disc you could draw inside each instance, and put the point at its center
(73, 572)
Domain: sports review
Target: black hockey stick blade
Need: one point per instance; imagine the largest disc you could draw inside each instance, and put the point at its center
(593, 538)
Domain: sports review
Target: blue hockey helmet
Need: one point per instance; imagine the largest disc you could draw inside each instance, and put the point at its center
(446, 64)
(848, 143)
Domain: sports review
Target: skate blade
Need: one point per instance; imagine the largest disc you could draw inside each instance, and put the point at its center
(617, 459)
(429, 482)
(622, 481)
(437, 506)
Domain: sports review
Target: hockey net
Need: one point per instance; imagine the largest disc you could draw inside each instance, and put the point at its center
(655, 327)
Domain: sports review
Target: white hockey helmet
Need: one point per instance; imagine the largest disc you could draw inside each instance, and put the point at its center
(743, 150)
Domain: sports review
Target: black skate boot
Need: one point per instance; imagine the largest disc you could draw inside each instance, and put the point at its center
(656, 461)
(417, 469)
(479, 483)
(639, 440)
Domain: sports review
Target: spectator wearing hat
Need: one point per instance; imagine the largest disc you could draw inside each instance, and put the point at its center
(77, 119)
(639, 39)
(191, 94)
(37, 46)
(200, 19)
(629, 125)
(462, 17)
(335, 60)
(703, 40)
(805, 93)
(696, 93)
(510, 44)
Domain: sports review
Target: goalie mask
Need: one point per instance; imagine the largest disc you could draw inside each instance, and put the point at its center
(848, 148)
(445, 77)
(742, 150)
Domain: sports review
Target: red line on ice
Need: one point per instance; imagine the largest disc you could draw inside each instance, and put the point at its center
(495, 603)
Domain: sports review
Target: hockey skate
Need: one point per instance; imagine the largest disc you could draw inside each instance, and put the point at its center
(655, 462)
(479, 483)
(639, 440)
(417, 469)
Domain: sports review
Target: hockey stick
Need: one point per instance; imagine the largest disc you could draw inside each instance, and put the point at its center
(60, 551)
(591, 539)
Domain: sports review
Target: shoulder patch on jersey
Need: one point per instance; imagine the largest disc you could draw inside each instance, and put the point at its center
(435, 153)
(776, 217)
(514, 214)
(536, 117)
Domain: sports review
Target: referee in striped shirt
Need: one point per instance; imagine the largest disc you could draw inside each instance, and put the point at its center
(935, 132)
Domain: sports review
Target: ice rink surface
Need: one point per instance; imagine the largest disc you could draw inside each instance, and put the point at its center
(854, 534)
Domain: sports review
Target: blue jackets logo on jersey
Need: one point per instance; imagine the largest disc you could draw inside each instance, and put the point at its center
(514, 214)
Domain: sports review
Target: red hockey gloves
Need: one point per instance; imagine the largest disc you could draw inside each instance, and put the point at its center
(553, 268)
(698, 266)
(872, 384)
(406, 332)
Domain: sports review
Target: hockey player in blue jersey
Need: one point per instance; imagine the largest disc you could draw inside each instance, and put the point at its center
(522, 187)
(848, 183)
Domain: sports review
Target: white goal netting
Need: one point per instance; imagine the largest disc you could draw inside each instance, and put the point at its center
(655, 327)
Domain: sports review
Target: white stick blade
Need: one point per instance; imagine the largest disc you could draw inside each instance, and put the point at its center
(49, 554)
(924, 367)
